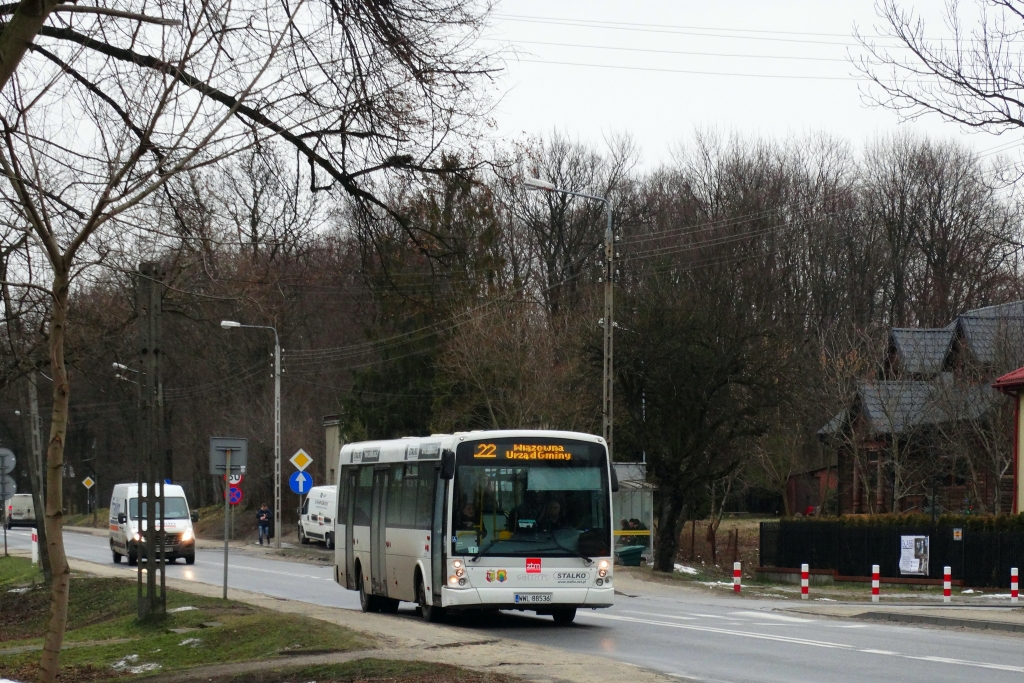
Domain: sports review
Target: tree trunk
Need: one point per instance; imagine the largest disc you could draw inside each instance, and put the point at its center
(19, 32)
(668, 533)
(30, 419)
(60, 586)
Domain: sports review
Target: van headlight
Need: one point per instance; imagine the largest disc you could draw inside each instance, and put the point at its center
(136, 536)
(187, 536)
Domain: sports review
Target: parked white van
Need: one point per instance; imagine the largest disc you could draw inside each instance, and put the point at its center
(20, 511)
(125, 524)
(316, 518)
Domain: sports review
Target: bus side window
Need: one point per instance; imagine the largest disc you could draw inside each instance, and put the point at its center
(394, 517)
(425, 499)
(364, 496)
(409, 520)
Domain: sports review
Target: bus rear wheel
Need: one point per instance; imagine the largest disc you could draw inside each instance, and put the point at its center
(430, 613)
(564, 616)
(367, 602)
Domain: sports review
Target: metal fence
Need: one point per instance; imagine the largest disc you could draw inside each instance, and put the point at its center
(981, 559)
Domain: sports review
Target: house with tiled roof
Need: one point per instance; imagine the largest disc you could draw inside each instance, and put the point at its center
(930, 429)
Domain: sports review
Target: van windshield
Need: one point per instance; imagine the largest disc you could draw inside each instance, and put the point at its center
(177, 508)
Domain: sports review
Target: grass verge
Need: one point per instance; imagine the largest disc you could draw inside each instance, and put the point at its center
(18, 572)
(360, 670)
(104, 640)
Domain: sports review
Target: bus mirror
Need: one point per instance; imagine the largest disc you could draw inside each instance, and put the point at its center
(447, 464)
(615, 480)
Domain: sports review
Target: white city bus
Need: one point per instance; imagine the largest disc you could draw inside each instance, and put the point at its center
(479, 520)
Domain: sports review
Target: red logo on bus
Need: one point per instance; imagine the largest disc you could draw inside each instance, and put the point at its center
(533, 565)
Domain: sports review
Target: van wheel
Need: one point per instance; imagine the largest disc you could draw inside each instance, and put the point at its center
(190, 559)
(133, 559)
(303, 539)
(430, 613)
(564, 616)
(367, 603)
(329, 541)
(117, 557)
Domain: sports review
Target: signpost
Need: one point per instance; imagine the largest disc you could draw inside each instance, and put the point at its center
(88, 483)
(300, 482)
(228, 457)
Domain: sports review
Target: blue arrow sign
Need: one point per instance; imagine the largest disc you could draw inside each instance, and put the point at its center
(301, 482)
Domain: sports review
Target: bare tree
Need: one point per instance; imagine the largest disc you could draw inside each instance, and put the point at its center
(356, 89)
(970, 76)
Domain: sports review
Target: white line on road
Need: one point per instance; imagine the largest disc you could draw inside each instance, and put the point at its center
(812, 643)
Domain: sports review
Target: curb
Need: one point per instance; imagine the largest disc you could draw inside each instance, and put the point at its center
(941, 621)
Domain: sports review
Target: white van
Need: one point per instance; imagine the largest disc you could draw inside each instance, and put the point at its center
(316, 518)
(20, 510)
(125, 524)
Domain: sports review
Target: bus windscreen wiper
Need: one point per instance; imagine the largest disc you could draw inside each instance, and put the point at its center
(577, 553)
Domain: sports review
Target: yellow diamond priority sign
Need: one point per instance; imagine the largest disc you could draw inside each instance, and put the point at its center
(88, 482)
(301, 460)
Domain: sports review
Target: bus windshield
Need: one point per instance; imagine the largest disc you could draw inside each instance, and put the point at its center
(531, 497)
(177, 508)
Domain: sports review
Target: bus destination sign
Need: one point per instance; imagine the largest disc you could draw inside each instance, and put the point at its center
(523, 451)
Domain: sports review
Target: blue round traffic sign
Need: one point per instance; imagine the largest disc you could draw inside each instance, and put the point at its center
(234, 495)
(301, 482)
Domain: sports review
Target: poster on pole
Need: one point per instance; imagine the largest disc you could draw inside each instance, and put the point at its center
(914, 555)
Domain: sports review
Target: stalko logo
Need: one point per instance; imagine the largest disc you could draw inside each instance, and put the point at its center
(533, 565)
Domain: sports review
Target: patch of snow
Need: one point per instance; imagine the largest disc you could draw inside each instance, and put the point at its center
(712, 584)
(127, 664)
(186, 608)
(682, 568)
(25, 589)
(770, 595)
(7, 680)
(824, 599)
(969, 590)
(1000, 595)
(194, 642)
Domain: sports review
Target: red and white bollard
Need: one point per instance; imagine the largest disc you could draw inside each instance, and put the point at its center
(736, 578)
(1013, 584)
(805, 579)
(35, 546)
(947, 584)
(874, 582)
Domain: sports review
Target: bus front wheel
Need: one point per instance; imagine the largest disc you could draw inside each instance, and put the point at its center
(430, 613)
(564, 616)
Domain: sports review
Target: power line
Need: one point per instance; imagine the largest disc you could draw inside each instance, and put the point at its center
(692, 71)
(678, 52)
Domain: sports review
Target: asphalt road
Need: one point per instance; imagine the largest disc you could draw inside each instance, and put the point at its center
(687, 634)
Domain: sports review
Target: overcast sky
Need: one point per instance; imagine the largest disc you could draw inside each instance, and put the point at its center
(592, 67)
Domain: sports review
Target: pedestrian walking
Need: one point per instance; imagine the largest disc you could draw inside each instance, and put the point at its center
(263, 518)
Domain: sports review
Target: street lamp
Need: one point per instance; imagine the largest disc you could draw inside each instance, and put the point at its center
(608, 375)
(231, 324)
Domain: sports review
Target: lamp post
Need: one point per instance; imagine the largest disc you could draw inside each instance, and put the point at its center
(231, 324)
(608, 375)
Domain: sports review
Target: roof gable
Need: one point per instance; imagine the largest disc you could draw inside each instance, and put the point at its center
(921, 351)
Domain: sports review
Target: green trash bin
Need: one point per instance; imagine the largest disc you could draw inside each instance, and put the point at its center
(630, 556)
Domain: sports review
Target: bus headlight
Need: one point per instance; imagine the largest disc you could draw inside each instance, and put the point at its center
(460, 572)
(453, 581)
(136, 536)
(603, 564)
(602, 573)
(457, 564)
(187, 536)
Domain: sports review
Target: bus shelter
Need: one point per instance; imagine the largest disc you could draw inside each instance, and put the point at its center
(633, 510)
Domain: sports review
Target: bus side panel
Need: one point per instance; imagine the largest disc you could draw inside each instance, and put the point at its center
(343, 514)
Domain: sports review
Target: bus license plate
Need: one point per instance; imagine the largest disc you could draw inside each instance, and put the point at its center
(532, 598)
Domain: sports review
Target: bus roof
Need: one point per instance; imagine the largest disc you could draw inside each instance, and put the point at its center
(430, 447)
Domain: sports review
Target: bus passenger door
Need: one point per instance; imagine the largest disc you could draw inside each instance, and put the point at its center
(349, 482)
(378, 520)
(438, 539)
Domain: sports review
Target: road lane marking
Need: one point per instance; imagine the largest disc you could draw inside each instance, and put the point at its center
(812, 643)
(774, 617)
(651, 614)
